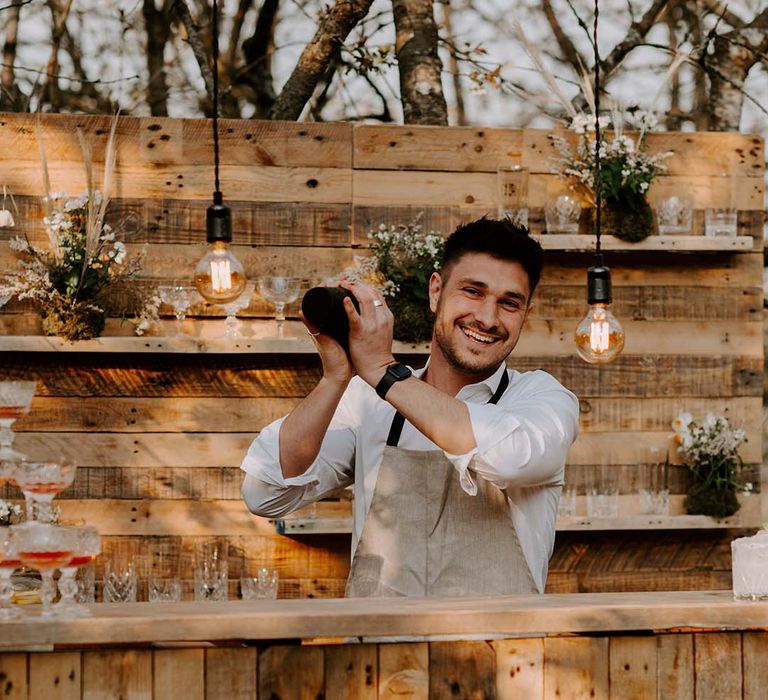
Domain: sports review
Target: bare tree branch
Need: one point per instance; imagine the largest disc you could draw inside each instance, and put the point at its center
(568, 50)
(199, 49)
(258, 50)
(333, 27)
(59, 17)
(157, 24)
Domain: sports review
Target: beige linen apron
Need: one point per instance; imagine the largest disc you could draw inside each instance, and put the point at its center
(424, 536)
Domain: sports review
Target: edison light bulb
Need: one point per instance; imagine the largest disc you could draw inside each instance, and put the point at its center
(599, 336)
(219, 276)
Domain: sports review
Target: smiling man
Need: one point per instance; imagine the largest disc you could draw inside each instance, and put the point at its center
(457, 468)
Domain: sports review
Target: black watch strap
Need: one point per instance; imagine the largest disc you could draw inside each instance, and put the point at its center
(396, 372)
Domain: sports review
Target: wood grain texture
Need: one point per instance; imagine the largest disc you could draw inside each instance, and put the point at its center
(176, 672)
(519, 668)
(112, 673)
(13, 676)
(717, 676)
(675, 669)
(351, 672)
(291, 672)
(575, 668)
(466, 670)
(230, 673)
(55, 676)
(404, 671)
(755, 674)
(633, 670)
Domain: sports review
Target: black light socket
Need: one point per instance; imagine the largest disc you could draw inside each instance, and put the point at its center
(323, 307)
(218, 221)
(599, 285)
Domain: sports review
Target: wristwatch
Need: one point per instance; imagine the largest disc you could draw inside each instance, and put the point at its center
(395, 373)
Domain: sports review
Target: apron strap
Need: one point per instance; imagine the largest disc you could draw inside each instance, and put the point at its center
(399, 420)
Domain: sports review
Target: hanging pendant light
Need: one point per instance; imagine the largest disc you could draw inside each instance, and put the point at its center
(219, 276)
(599, 336)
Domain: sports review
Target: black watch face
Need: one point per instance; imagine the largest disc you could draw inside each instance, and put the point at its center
(399, 371)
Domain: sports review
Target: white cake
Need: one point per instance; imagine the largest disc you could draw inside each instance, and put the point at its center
(750, 567)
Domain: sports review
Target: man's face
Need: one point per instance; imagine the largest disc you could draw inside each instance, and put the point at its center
(480, 304)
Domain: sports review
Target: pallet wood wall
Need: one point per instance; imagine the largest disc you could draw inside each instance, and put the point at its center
(159, 437)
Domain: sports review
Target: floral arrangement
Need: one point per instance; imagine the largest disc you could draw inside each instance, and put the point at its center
(402, 261)
(710, 451)
(9, 513)
(85, 273)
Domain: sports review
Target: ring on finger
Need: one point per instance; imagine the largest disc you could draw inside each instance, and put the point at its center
(378, 302)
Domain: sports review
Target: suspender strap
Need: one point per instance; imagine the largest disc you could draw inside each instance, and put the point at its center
(399, 420)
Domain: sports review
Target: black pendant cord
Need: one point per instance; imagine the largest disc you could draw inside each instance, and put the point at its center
(598, 193)
(217, 198)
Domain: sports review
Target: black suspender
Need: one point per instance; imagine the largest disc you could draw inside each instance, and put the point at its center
(399, 420)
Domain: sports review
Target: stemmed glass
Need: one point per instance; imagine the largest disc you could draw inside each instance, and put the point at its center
(15, 400)
(279, 290)
(87, 548)
(44, 547)
(9, 562)
(180, 297)
(40, 482)
(231, 324)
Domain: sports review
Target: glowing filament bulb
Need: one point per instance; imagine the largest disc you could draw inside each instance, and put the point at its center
(221, 275)
(599, 336)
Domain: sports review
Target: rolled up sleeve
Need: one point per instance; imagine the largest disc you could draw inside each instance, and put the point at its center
(524, 444)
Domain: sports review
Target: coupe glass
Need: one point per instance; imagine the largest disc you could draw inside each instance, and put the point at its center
(9, 562)
(87, 548)
(40, 482)
(231, 324)
(179, 297)
(279, 290)
(44, 547)
(15, 400)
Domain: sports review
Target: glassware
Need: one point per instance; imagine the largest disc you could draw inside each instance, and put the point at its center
(163, 583)
(279, 290)
(87, 548)
(562, 214)
(15, 400)
(121, 583)
(566, 507)
(603, 492)
(46, 548)
(720, 222)
(654, 491)
(9, 562)
(211, 569)
(40, 482)
(512, 185)
(262, 586)
(231, 323)
(674, 216)
(179, 297)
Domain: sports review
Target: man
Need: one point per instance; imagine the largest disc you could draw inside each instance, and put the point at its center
(458, 468)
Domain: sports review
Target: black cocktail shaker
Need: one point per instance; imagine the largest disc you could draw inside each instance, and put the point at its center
(324, 307)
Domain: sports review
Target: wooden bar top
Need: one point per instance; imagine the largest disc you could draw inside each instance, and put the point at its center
(527, 616)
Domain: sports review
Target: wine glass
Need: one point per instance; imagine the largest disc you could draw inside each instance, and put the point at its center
(44, 547)
(15, 400)
(87, 548)
(179, 297)
(279, 290)
(40, 482)
(231, 323)
(9, 562)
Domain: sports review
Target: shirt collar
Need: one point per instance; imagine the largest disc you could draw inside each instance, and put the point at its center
(480, 392)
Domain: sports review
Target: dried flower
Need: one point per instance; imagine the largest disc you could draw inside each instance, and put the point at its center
(9, 512)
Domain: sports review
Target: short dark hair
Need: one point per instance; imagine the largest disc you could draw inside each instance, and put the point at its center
(499, 238)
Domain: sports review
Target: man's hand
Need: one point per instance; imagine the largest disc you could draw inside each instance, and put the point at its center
(370, 331)
(336, 365)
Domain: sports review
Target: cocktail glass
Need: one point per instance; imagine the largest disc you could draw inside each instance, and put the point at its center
(87, 548)
(279, 290)
(9, 562)
(179, 297)
(15, 400)
(231, 324)
(46, 548)
(41, 482)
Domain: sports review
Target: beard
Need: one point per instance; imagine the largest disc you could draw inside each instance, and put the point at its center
(462, 360)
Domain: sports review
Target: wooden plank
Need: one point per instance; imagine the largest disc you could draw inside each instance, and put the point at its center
(177, 669)
(519, 668)
(126, 673)
(691, 243)
(291, 672)
(717, 676)
(633, 668)
(230, 673)
(675, 676)
(464, 669)
(170, 140)
(351, 671)
(575, 668)
(754, 650)
(404, 671)
(55, 676)
(13, 676)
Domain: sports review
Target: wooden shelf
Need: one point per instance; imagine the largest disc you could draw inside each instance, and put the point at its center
(579, 242)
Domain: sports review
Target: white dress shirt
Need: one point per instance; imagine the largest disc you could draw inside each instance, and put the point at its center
(522, 443)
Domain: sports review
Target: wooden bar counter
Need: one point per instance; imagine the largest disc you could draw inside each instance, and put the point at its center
(610, 645)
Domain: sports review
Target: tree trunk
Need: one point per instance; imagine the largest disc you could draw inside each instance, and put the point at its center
(421, 89)
(196, 43)
(9, 99)
(50, 91)
(258, 49)
(333, 28)
(158, 27)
